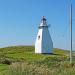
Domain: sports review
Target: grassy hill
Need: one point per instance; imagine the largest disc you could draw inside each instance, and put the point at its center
(34, 64)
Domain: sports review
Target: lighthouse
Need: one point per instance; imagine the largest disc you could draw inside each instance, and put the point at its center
(43, 43)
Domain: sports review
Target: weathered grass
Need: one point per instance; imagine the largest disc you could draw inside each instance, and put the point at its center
(61, 68)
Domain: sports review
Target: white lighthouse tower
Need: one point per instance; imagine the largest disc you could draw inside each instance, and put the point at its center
(43, 42)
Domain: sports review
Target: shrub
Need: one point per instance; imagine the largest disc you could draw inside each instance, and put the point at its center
(6, 61)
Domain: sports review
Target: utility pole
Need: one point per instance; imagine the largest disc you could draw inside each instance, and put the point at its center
(70, 33)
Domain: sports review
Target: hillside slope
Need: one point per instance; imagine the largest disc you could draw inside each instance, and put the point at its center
(25, 54)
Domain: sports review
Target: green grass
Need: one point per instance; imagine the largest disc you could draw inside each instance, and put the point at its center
(3, 68)
(25, 54)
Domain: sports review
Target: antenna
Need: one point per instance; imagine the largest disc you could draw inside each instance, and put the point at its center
(70, 32)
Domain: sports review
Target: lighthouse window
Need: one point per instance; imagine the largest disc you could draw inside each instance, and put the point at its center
(38, 37)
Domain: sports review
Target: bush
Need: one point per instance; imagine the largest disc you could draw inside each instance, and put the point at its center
(6, 61)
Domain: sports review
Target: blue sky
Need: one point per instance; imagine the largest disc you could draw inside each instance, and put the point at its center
(19, 20)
